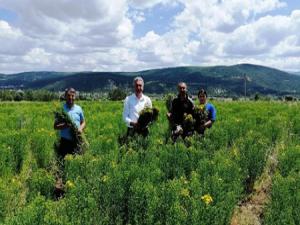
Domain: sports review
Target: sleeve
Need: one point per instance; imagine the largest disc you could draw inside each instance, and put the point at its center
(81, 115)
(192, 104)
(126, 118)
(213, 113)
(149, 103)
(173, 107)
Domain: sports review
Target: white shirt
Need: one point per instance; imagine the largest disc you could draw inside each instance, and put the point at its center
(133, 106)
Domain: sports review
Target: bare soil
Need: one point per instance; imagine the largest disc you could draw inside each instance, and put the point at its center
(251, 209)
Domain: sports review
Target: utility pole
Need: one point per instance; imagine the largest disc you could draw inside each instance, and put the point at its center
(245, 85)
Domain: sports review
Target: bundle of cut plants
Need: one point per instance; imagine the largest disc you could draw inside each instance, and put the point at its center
(188, 123)
(200, 116)
(147, 116)
(77, 137)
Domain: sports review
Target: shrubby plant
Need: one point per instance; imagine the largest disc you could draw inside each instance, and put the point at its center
(147, 181)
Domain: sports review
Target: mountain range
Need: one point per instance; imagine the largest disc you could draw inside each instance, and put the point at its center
(218, 80)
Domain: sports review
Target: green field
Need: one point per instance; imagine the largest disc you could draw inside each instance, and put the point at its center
(148, 181)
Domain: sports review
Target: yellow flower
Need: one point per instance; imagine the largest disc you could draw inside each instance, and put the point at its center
(113, 164)
(185, 181)
(68, 157)
(207, 199)
(104, 178)
(56, 105)
(109, 127)
(130, 150)
(202, 106)
(70, 184)
(160, 142)
(235, 151)
(185, 192)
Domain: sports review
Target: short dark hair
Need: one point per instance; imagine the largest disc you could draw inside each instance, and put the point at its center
(202, 92)
(70, 89)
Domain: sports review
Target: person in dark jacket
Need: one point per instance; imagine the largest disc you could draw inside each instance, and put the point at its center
(182, 106)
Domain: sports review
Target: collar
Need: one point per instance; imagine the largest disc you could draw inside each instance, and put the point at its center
(139, 99)
(186, 96)
(67, 106)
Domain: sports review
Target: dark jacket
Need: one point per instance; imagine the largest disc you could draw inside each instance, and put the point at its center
(180, 107)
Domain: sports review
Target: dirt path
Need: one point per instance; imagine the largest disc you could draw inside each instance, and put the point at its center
(250, 210)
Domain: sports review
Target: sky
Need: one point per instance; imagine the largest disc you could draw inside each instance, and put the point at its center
(135, 35)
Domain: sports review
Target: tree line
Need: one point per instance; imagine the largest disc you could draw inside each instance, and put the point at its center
(46, 95)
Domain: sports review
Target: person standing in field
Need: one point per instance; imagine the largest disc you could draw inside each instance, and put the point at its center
(182, 106)
(71, 123)
(67, 145)
(210, 110)
(133, 105)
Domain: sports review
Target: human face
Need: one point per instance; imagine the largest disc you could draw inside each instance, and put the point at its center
(138, 86)
(202, 99)
(70, 98)
(182, 89)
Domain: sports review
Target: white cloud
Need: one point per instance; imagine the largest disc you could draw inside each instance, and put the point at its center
(163, 50)
(289, 47)
(68, 20)
(144, 4)
(137, 16)
(13, 42)
(262, 36)
(99, 35)
(37, 56)
(223, 16)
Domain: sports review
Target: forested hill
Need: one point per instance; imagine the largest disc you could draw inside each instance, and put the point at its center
(219, 80)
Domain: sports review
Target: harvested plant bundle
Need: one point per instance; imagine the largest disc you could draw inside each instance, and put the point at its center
(188, 122)
(78, 138)
(200, 116)
(147, 116)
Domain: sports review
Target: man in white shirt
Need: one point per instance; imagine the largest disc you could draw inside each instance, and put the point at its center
(133, 105)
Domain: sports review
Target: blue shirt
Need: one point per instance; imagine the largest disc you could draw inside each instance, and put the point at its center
(76, 115)
(212, 112)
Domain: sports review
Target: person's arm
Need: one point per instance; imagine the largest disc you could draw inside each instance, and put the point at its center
(192, 104)
(60, 126)
(212, 117)
(126, 117)
(82, 126)
(192, 107)
(208, 124)
(82, 121)
(150, 103)
(173, 113)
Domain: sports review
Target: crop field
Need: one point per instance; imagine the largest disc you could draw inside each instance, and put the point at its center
(149, 181)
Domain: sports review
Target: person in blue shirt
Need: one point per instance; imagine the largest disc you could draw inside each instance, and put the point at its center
(67, 145)
(210, 109)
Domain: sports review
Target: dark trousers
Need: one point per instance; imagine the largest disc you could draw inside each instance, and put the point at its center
(131, 132)
(65, 147)
(175, 133)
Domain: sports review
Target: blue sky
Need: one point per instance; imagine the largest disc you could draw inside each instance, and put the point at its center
(7, 15)
(159, 19)
(133, 35)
